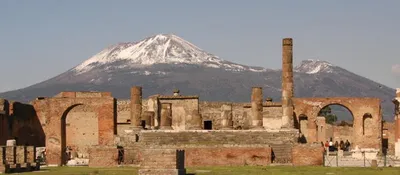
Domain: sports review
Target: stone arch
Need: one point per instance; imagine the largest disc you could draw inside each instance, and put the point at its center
(79, 132)
(64, 132)
(341, 132)
(338, 104)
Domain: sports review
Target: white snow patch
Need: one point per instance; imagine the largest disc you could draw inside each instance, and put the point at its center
(159, 49)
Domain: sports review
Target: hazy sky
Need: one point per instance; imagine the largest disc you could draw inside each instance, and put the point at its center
(41, 39)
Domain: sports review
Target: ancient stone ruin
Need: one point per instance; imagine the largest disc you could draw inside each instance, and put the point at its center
(95, 129)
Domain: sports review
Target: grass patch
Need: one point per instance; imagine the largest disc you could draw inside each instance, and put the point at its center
(243, 170)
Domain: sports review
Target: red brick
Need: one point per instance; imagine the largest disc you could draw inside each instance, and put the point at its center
(307, 155)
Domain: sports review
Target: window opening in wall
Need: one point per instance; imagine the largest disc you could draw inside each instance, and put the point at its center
(367, 121)
(143, 124)
(208, 125)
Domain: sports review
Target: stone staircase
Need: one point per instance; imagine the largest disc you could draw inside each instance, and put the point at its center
(282, 153)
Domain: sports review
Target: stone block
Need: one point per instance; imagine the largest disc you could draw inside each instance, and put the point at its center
(10, 155)
(20, 154)
(307, 154)
(30, 154)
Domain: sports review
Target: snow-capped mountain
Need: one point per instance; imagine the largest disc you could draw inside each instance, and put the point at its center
(165, 62)
(314, 66)
(158, 49)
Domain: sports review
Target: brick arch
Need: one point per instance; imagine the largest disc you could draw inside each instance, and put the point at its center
(54, 110)
(357, 106)
(338, 104)
(63, 128)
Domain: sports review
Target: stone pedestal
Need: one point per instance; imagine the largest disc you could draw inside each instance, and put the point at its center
(166, 116)
(287, 83)
(163, 162)
(136, 107)
(256, 108)
(226, 115)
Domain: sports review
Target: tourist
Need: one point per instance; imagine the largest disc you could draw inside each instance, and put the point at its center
(347, 145)
(331, 148)
(342, 145)
(336, 145)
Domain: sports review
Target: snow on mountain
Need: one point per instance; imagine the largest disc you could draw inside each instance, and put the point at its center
(158, 49)
(314, 66)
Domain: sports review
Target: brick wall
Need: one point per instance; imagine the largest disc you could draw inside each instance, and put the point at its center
(103, 156)
(227, 156)
(307, 154)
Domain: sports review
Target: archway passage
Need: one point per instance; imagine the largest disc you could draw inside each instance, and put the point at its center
(338, 126)
(371, 138)
(79, 126)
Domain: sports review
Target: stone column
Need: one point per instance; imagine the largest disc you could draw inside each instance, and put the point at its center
(166, 116)
(226, 115)
(287, 83)
(396, 101)
(136, 106)
(321, 125)
(256, 108)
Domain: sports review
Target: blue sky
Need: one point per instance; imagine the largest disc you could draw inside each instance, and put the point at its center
(43, 38)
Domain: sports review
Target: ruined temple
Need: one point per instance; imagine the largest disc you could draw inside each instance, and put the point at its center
(96, 129)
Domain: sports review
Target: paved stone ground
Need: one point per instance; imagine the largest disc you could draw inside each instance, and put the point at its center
(348, 161)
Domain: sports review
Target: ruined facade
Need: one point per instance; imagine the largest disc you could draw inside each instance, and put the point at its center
(88, 125)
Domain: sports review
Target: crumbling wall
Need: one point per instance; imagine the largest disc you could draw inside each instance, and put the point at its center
(19, 121)
(211, 111)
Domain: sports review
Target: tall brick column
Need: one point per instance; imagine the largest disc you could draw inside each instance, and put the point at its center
(287, 83)
(136, 106)
(226, 116)
(166, 116)
(256, 108)
(396, 101)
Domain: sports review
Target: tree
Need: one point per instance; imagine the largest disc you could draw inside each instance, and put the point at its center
(327, 113)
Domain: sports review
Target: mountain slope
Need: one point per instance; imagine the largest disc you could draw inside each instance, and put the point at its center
(163, 62)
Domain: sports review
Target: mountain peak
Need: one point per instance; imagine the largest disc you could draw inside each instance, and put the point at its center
(161, 48)
(312, 66)
(157, 49)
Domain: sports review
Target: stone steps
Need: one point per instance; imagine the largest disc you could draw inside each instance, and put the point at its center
(282, 152)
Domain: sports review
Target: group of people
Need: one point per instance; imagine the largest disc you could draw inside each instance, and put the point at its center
(331, 146)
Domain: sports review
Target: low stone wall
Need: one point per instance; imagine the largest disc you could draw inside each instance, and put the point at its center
(307, 154)
(156, 138)
(228, 156)
(103, 156)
